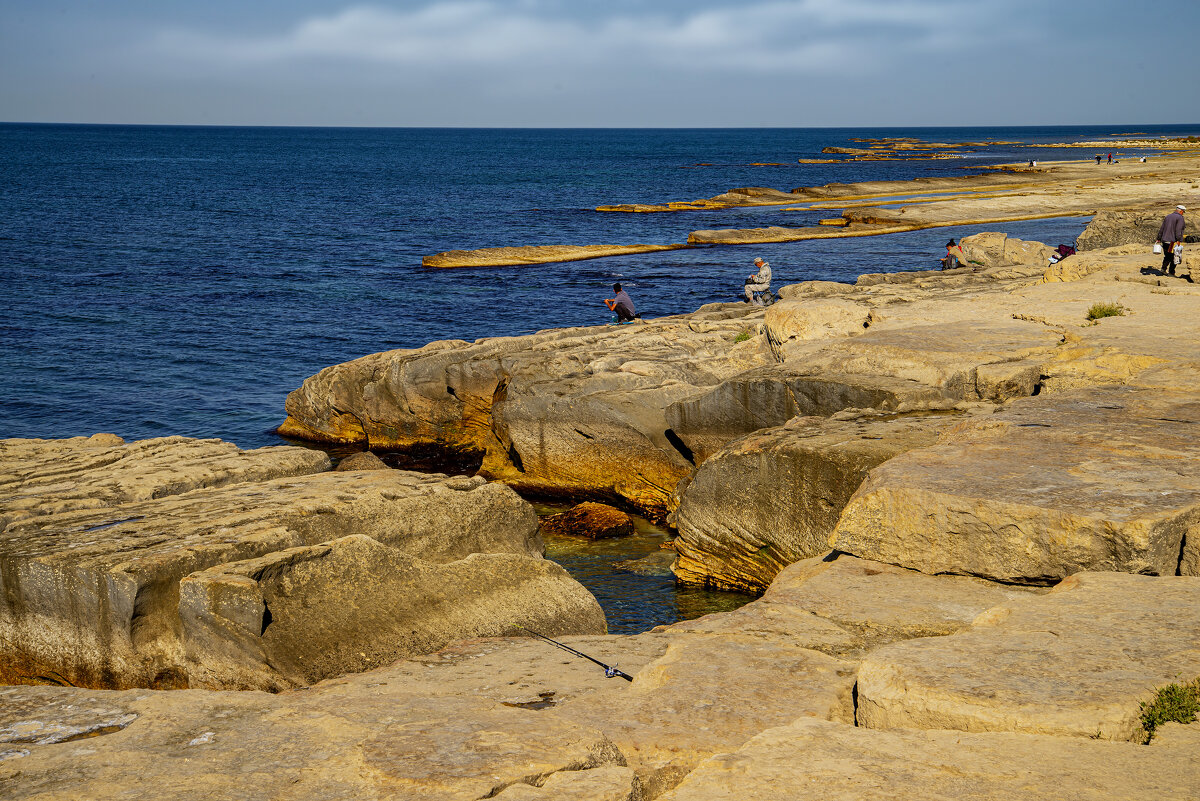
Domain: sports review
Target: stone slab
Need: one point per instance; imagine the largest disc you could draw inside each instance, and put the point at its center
(821, 761)
(1076, 662)
(1103, 479)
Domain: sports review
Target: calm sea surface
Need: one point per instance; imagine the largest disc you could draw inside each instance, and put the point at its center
(179, 280)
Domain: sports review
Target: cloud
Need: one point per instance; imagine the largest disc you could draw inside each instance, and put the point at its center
(441, 37)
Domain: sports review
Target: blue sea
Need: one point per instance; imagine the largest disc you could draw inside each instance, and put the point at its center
(182, 280)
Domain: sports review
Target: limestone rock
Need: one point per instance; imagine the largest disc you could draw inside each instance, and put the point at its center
(47, 476)
(844, 606)
(1074, 663)
(564, 411)
(360, 739)
(535, 254)
(885, 601)
(605, 783)
(91, 595)
(771, 396)
(590, 520)
(1189, 560)
(363, 460)
(774, 497)
(1088, 480)
(815, 760)
(991, 250)
(1112, 227)
(711, 692)
(808, 319)
(305, 614)
(1081, 265)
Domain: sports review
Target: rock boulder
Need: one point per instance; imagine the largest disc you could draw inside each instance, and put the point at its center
(775, 496)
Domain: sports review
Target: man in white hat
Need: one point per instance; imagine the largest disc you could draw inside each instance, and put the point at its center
(1170, 234)
(759, 282)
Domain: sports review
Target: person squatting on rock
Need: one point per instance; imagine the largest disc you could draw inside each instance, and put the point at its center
(953, 251)
(622, 304)
(1170, 234)
(759, 282)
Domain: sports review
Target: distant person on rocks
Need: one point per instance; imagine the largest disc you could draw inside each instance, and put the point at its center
(621, 305)
(759, 282)
(1097, 158)
(1170, 234)
(1110, 158)
(953, 251)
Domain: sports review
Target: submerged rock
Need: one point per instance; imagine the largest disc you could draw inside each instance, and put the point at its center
(593, 521)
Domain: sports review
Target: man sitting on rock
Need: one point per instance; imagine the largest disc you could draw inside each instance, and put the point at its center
(759, 282)
(622, 305)
(1170, 234)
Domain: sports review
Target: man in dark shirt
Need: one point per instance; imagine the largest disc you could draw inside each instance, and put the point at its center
(622, 304)
(1170, 233)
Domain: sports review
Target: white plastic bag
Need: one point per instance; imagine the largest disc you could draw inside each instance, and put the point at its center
(1158, 248)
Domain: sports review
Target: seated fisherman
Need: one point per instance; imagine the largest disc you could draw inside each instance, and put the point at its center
(759, 282)
(622, 304)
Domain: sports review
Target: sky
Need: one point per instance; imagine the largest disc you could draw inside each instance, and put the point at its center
(617, 63)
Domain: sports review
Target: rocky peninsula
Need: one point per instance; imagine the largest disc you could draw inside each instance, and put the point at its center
(1005, 193)
(970, 501)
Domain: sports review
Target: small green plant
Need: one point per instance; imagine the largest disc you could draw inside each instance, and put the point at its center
(1174, 702)
(1099, 310)
(742, 337)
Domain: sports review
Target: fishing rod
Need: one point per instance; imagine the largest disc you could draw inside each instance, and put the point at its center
(609, 672)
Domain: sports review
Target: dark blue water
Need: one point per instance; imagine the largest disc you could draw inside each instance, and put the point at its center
(182, 280)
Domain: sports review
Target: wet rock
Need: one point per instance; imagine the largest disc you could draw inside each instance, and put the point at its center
(593, 521)
(819, 760)
(655, 564)
(1051, 486)
(1074, 663)
(775, 496)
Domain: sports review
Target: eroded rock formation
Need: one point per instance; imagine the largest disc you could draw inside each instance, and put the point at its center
(177, 562)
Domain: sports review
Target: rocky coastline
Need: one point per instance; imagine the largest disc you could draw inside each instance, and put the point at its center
(970, 504)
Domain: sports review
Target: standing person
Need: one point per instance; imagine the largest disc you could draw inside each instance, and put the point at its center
(1170, 234)
(759, 282)
(1110, 158)
(622, 304)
